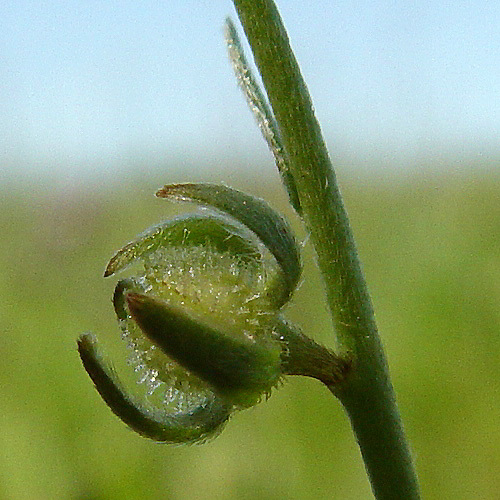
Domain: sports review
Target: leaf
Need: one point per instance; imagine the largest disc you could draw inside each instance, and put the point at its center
(261, 110)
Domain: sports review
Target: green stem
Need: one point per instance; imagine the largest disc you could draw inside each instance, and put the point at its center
(367, 392)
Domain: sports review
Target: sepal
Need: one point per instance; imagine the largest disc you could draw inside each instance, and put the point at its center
(188, 230)
(240, 369)
(254, 213)
(188, 426)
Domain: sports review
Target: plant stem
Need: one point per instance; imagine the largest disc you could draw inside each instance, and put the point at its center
(367, 392)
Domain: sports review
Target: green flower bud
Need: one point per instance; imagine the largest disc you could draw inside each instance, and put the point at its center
(201, 313)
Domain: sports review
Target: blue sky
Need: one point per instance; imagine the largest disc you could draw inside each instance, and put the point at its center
(98, 87)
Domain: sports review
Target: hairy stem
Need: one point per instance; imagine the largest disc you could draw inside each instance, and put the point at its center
(367, 392)
(303, 356)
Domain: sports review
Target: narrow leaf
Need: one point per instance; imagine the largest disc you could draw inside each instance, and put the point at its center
(262, 112)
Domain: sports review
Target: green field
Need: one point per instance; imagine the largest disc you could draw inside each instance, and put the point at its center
(430, 247)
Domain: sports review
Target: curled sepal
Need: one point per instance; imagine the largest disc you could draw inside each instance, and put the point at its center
(254, 213)
(187, 230)
(188, 426)
(239, 368)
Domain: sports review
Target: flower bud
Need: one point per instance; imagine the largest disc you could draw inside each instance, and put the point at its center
(200, 313)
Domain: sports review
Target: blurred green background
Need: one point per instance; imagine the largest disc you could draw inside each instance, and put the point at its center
(407, 94)
(430, 245)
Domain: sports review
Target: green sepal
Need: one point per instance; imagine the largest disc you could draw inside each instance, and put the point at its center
(238, 368)
(119, 297)
(274, 232)
(188, 426)
(188, 230)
